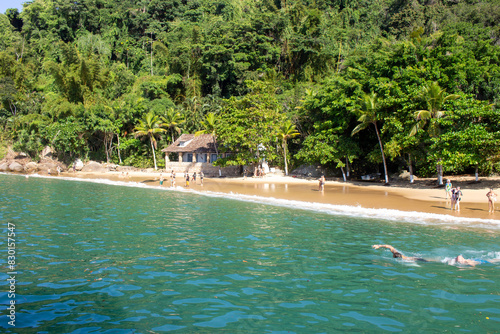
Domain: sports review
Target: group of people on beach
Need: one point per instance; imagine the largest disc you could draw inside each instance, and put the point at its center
(455, 196)
(459, 260)
(188, 178)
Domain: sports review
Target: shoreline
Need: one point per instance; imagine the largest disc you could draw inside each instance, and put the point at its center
(419, 197)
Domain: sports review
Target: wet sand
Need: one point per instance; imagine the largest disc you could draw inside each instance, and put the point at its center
(420, 199)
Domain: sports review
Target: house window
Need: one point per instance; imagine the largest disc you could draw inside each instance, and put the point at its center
(184, 143)
(213, 157)
(190, 157)
(201, 158)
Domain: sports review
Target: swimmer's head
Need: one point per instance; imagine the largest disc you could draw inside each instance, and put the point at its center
(460, 259)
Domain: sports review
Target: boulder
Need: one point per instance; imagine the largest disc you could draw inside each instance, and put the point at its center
(112, 167)
(78, 164)
(4, 167)
(45, 166)
(95, 167)
(47, 152)
(31, 167)
(16, 167)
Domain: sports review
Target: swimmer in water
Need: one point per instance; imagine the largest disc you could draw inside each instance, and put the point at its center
(456, 260)
(396, 254)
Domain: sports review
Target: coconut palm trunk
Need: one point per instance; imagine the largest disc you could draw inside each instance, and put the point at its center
(369, 115)
(382, 151)
(286, 131)
(286, 164)
(153, 148)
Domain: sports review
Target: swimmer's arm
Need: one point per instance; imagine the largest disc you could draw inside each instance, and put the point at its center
(389, 247)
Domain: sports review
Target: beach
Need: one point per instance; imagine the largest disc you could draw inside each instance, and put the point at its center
(422, 196)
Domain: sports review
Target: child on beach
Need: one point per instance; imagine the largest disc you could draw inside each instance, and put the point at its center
(492, 197)
(161, 179)
(447, 189)
(201, 177)
(187, 179)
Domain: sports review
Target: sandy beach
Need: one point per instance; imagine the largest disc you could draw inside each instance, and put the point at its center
(422, 196)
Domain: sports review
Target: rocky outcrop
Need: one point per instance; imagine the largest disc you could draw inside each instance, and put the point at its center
(78, 164)
(16, 167)
(94, 167)
(45, 166)
(125, 169)
(31, 167)
(47, 152)
(309, 171)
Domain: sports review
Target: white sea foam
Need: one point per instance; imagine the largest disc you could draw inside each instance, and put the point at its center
(413, 217)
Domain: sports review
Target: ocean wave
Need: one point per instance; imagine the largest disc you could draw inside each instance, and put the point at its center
(413, 217)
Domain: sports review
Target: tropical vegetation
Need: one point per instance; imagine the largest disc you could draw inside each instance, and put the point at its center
(286, 81)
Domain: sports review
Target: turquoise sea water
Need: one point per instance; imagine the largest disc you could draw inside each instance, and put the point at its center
(101, 258)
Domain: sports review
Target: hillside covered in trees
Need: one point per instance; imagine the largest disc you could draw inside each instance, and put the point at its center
(371, 84)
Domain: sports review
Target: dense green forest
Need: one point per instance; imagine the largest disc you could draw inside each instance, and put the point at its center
(365, 84)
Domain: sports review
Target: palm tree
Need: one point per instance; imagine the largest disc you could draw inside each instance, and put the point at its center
(209, 127)
(286, 131)
(435, 97)
(171, 122)
(368, 115)
(149, 126)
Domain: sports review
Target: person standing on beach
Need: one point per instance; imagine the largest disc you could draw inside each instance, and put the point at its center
(187, 179)
(492, 197)
(457, 197)
(322, 183)
(161, 179)
(447, 189)
(194, 177)
(201, 177)
(452, 198)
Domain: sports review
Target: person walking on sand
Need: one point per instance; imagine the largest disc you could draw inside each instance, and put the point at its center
(194, 177)
(322, 183)
(457, 197)
(492, 197)
(187, 179)
(447, 189)
(161, 179)
(172, 179)
(201, 177)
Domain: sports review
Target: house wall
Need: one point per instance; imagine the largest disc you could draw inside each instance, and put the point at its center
(207, 168)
